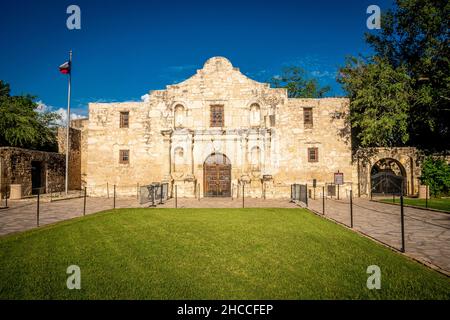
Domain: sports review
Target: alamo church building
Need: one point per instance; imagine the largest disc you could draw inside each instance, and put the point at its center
(209, 135)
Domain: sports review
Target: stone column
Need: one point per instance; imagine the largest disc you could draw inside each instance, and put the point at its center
(167, 155)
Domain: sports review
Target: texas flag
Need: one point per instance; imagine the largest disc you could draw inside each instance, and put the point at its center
(65, 68)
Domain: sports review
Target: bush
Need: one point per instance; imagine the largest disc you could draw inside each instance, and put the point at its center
(436, 174)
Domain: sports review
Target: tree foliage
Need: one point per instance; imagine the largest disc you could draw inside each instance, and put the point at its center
(414, 39)
(436, 174)
(379, 102)
(295, 80)
(21, 125)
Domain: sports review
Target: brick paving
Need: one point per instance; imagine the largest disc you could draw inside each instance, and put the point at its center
(427, 233)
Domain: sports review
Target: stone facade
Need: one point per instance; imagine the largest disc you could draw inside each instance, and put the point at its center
(270, 140)
(17, 167)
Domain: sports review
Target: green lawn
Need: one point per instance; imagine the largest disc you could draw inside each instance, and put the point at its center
(434, 203)
(207, 254)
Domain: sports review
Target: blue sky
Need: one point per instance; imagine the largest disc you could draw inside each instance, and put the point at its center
(126, 48)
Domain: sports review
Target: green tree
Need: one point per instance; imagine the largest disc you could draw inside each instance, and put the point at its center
(380, 98)
(436, 174)
(295, 80)
(21, 125)
(415, 35)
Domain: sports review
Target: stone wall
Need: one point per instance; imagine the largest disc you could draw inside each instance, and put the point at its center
(169, 136)
(15, 168)
(76, 155)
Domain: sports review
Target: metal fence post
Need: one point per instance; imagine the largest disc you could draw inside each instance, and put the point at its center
(114, 196)
(393, 197)
(107, 189)
(426, 196)
(161, 196)
(402, 222)
(6, 197)
(137, 191)
(84, 204)
(37, 208)
(351, 208)
(176, 197)
(199, 192)
(243, 194)
(306, 190)
(338, 192)
(323, 200)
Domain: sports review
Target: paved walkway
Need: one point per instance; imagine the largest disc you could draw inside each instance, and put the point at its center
(427, 233)
(21, 215)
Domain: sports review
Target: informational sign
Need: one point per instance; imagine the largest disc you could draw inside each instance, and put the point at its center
(338, 178)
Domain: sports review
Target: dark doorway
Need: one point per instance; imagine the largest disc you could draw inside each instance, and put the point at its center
(37, 177)
(388, 176)
(217, 176)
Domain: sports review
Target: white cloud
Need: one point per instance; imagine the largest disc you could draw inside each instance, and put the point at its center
(63, 113)
(145, 97)
(42, 107)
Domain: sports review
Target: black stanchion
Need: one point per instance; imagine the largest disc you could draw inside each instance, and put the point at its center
(199, 192)
(176, 197)
(426, 196)
(37, 208)
(323, 200)
(107, 189)
(393, 197)
(351, 208)
(114, 196)
(84, 203)
(161, 195)
(307, 195)
(243, 194)
(402, 222)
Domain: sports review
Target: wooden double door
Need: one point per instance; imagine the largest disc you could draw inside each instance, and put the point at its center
(217, 177)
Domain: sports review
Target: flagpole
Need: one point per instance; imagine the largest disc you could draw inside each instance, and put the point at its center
(68, 123)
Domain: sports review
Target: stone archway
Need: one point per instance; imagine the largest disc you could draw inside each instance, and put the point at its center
(397, 163)
(217, 176)
(388, 176)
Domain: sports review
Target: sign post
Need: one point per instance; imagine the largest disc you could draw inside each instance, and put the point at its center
(338, 180)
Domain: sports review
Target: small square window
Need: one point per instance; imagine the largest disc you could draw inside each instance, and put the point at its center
(217, 117)
(124, 119)
(308, 117)
(313, 154)
(124, 156)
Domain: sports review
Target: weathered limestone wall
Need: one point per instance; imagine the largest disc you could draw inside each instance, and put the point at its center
(75, 155)
(106, 138)
(169, 136)
(16, 169)
(327, 134)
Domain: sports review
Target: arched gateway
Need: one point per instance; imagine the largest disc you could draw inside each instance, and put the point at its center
(217, 176)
